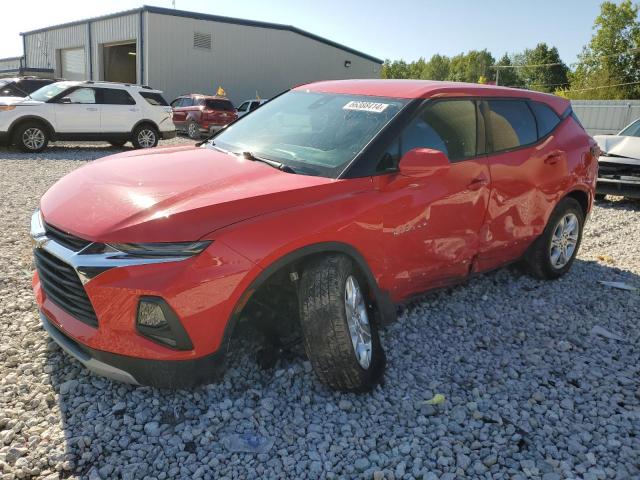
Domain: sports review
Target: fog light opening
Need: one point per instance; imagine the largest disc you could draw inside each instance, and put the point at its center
(158, 322)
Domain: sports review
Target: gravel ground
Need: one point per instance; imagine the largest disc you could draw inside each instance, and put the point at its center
(530, 391)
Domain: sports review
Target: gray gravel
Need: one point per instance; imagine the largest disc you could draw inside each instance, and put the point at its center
(529, 391)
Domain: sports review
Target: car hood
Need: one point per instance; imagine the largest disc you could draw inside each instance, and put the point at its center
(10, 100)
(619, 146)
(172, 194)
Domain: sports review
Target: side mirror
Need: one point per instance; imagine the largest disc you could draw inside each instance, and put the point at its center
(65, 100)
(423, 162)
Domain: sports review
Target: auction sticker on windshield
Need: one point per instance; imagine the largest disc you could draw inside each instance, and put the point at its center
(366, 106)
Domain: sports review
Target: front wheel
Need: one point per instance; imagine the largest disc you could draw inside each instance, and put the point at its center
(31, 137)
(144, 136)
(341, 342)
(553, 253)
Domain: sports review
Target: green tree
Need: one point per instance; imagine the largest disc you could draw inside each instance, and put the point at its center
(437, 68)
(612, 57)
(471, 66)
(547, 71)
(507, 77)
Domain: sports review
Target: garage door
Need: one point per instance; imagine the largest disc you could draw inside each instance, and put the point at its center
(73, 64)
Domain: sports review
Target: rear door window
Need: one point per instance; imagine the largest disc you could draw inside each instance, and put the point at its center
(224, 105)
(10, 90)
(512, 124)
(31, 86)
(546, 118)
(254, 105)
(449, 126)
(114, 96)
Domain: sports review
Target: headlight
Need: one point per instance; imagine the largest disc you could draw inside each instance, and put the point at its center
(179, 249)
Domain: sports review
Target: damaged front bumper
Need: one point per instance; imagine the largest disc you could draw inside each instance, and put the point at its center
(618, 176)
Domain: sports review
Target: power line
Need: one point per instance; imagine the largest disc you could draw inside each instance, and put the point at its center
(603, 86)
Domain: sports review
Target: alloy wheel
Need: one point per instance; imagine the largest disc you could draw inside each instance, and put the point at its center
(146, 138)
(358, 321)
(33, 138)
(564, 240)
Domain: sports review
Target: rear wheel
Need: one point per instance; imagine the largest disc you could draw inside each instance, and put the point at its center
(31, 137)
(553, 253)
(340, 340)
(193, 130)
(144, 136)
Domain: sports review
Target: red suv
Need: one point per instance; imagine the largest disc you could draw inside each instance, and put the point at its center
(322, 210)
(196, 114)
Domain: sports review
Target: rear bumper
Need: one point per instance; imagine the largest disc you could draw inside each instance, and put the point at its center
(138, 371)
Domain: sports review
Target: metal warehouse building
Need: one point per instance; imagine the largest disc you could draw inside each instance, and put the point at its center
(184, 52)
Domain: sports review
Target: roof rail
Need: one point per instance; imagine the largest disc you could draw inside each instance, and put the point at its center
(118, 83)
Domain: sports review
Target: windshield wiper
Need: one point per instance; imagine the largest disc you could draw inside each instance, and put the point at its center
(272, 163)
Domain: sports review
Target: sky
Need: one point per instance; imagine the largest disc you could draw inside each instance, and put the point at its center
(393, 29)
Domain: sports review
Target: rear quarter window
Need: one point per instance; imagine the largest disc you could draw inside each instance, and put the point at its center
(154, 98)
(512, 124)
(546, 118)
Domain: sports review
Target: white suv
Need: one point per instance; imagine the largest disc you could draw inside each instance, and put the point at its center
(113, 112)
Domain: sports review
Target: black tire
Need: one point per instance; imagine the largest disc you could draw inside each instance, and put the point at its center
(537, 260)
(32, 137)
(193, 130)
(117, 143)
(325, 329)
(142, 132)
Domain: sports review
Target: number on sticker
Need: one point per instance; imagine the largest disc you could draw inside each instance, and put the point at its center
(366, 106)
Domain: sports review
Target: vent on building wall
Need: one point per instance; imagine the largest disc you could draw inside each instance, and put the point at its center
(202, 40)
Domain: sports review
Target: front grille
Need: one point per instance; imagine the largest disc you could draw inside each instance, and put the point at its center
(65, 239)
(62, 286)
(618, 171)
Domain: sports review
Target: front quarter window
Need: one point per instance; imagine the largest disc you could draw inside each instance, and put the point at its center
(314, 133)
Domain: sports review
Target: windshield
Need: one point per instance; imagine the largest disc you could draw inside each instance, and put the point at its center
(45, 94)
(632, 130)
(313, 133)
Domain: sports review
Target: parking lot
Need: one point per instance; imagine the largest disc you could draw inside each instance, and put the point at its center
(530, 389)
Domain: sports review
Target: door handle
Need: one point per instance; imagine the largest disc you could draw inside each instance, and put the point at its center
(552, 158)
(92, 109)
(478, 183)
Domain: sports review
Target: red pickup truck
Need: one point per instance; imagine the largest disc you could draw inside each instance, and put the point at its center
(196, 114)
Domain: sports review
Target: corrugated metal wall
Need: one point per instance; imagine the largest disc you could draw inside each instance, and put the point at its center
(113, 30)
(41, 48)
(12, 63)
(606, 116)
(243, 59)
